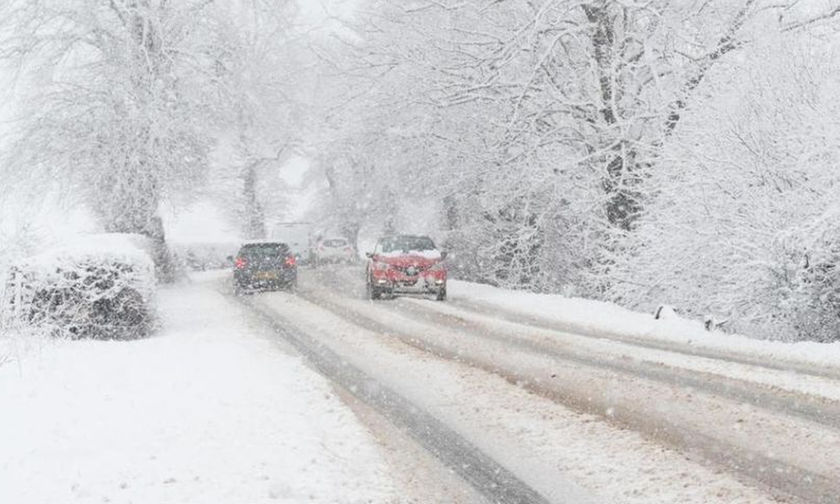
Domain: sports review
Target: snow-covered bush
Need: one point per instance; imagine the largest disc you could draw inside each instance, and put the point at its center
(809, 279)
(99, 287)
(16, 240)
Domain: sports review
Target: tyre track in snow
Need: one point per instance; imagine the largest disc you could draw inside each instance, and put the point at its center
(807, 407)
(502, 313)
(783, 479)
(343, 279)
(486, 476)
(814, 408)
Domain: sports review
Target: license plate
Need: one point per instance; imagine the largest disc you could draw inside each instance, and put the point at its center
(266, 275)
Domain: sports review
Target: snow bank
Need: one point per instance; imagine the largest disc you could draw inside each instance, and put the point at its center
(602, 318)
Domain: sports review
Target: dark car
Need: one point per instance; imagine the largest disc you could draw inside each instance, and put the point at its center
(264, 265)
(406, 264)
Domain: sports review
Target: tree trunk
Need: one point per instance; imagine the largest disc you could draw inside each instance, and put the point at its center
(624, 200)
(254, 214)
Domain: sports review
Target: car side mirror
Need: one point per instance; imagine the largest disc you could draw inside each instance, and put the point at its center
(444, 254)
(369, 255)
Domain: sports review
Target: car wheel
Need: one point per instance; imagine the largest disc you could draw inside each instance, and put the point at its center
(372, 292)
(441, 295)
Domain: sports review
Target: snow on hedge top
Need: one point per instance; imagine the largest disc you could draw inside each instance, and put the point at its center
(131, 249)
(104, 250)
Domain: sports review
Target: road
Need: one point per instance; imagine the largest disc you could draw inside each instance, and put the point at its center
(523, 410)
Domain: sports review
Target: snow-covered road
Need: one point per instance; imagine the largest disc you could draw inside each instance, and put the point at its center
(701, 429)
(487, 476)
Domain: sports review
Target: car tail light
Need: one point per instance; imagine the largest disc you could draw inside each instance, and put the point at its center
(290, 261)
(241, 262)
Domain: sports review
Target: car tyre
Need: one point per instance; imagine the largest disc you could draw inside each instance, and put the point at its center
(372, 292)
(441, 295)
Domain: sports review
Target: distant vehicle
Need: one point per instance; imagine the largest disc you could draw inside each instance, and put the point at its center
(297, 236)
(203, 256)
(264, 265)
(333, 250)
(406, 264)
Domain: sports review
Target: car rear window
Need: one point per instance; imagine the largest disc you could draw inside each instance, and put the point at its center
(264, 250)
(338, 242)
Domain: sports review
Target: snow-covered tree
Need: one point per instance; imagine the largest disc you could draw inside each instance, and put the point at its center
(741, 222)
(126, 99)
(263, 67)
(122, 92)
(540, 124)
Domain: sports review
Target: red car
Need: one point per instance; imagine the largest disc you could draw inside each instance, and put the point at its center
(406, 264)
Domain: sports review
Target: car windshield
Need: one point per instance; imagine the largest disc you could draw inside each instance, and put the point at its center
(264, 250)
(407, 244)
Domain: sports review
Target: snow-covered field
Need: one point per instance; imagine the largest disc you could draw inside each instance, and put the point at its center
(210, 410)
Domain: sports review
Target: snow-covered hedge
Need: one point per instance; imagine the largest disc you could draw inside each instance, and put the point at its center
(101, 286)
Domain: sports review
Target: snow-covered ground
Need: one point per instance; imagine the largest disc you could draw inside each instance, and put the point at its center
(210, 410)
(215, 408)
